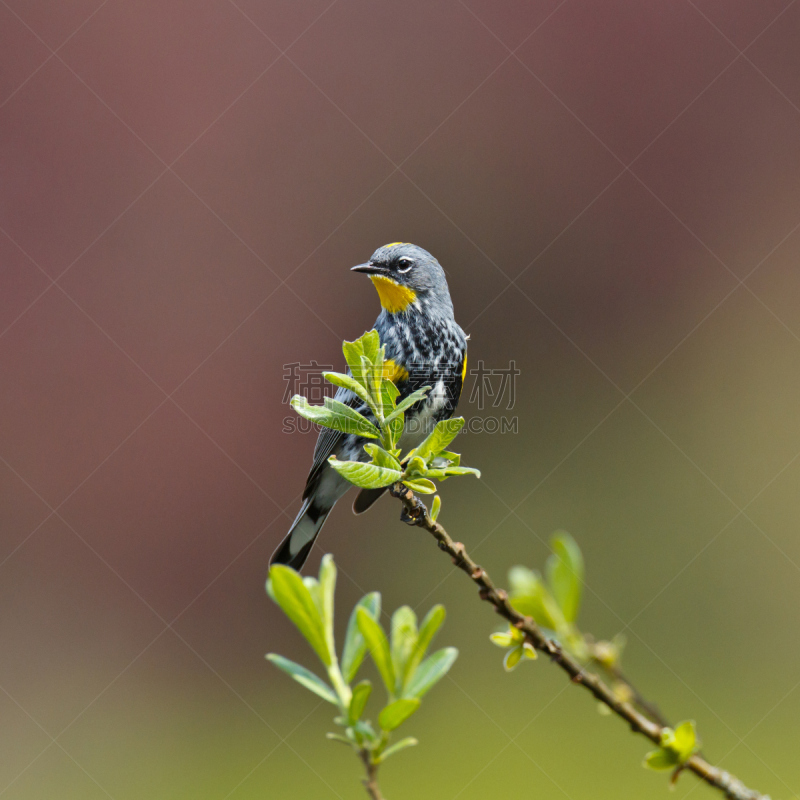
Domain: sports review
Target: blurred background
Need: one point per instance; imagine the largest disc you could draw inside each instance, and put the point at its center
(614, 191)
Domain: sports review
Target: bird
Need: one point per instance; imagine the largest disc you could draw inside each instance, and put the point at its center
(425, 346)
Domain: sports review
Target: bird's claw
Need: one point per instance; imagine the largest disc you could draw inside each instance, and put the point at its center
(409, 519)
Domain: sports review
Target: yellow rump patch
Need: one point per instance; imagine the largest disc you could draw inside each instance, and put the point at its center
(464, 369)
(394, 297)
(394, 372)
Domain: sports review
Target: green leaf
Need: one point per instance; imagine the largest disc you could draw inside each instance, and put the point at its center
(421, 485)
(397, 713)
(529, 651)
(395, 428)
(352, 355)
(661, 760)
(293, 596)
(347, 417)
(348, 382)
(361, 693)
(312, 584)
(327, 587)
(404, 641)
(373, 377)
(378, 646)
(335, 415)
(512, 658)
(429, 473)
(684, 741)
(367, 347)
(431, 670)
(427, 630)
(371, 344)
(392, 392)
(365, 730)
(416, 466)
(367, 476)
(409, 741)
(532, 598)
(565, 574)
(407, 402)
(436, 507)
(389, 395)
(462, 471)
(382, 458)
(355, 647)
(502, 639)
(523, 580)
(304, 677)
(445, 431)
(452, 459)
(443, 473)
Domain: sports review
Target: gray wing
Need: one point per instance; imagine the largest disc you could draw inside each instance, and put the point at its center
(329, 440)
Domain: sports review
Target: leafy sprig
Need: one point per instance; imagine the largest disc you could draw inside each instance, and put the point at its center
(677, 746)
(369, 377)
(516, 643)
(406, 669)
(554, 602)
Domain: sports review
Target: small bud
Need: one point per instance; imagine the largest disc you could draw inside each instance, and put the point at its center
(622, 692)
(605, 653)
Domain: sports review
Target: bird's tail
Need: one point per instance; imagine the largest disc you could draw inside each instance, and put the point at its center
(296, 545)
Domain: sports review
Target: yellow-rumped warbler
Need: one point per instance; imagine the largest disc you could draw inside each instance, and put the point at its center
(424, 347)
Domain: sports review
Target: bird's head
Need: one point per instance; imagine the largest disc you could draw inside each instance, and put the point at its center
(408, 277)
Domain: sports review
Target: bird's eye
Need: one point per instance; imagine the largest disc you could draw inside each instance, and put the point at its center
(405, 265)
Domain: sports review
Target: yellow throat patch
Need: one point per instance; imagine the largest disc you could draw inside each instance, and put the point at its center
(394, 297)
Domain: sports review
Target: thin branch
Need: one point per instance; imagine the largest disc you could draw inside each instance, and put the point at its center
(371, 781)
(415, 513)
(648, 707)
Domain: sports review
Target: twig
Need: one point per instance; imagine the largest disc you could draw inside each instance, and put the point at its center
(371, 781)
(648, 707)
(415, 513)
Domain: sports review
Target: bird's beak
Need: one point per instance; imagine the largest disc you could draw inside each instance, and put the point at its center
(369, 269)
